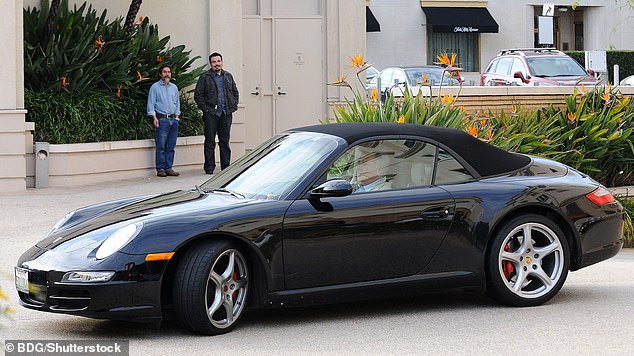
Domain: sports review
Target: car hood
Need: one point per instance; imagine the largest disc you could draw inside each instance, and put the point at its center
(566, 80)
(147, 209)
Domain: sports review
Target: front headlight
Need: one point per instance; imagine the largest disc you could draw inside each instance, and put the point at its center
(118, 239)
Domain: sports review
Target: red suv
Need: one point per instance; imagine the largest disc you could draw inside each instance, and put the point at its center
(534, 67)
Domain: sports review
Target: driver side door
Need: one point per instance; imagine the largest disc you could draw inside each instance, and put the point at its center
(390, 232)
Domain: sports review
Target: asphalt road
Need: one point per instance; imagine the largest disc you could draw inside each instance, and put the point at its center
(593, 313)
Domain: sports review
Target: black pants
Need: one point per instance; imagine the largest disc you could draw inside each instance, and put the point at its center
(220, 126)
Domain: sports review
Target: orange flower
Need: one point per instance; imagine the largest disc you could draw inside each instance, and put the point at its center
(483, 123)
(140, 76)
(490, 134)
(119, 90)
(140, 18)
(424, 78)
(472, 130)
(64, 83)
(375, 94)
(401, 119)
(159, 59)
(443, 59)
(462, 109)
(447, 99)
(341, 82)
(572, 117)
(514, 109)
(357, 61)
(99, 44)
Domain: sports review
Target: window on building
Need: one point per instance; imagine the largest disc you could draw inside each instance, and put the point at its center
(466, 46)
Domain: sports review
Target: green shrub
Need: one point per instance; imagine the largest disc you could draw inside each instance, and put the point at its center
(77, 117)
(628, 229)
(90, 82)
(87, 52)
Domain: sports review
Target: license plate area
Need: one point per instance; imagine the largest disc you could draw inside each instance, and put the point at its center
(22, 280)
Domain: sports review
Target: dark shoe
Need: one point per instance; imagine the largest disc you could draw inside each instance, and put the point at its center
(209, 172)
(161, 174)
(172, 173)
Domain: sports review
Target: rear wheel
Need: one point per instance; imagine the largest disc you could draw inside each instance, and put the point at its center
(211, 287)
(528, 261)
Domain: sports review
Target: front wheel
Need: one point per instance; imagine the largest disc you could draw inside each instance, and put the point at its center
(528, 261)
(211, 287)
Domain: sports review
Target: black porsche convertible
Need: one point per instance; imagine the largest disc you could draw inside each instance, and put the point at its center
(323, 214)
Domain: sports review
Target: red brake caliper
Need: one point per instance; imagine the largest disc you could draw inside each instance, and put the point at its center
(507, 266)
(235, 278)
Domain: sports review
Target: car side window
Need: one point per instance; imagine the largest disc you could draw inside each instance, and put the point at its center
(504, 66)
(385, 165)
(492, 66)
(400, 76)
(518, 66)
(386, 79)
(449, 170)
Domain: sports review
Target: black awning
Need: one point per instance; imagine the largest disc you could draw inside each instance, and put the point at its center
(371, 24)
(460, 19)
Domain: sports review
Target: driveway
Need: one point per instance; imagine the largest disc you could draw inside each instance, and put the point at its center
(592, 314)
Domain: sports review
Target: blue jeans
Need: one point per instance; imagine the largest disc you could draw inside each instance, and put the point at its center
(165, 137)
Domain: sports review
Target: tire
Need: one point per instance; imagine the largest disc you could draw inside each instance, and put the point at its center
(527, 272)
(211, 287)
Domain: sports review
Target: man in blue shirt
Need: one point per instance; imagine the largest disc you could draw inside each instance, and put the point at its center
(163, 104)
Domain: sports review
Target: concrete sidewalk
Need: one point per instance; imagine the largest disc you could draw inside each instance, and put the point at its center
(26, 217)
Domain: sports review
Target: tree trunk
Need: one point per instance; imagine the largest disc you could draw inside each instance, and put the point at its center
(50, 20)
(135, 5)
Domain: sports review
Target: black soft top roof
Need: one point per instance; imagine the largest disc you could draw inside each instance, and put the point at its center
(486, 159)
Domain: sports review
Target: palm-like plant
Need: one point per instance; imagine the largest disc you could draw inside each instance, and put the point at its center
(135, 5)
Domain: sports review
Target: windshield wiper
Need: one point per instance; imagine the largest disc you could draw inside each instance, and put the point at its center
(199, 189)
(227, 191)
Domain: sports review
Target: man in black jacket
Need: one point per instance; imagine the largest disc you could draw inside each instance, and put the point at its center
(217, 96)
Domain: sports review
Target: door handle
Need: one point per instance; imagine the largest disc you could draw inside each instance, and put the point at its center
(256, 92)
(435, 212)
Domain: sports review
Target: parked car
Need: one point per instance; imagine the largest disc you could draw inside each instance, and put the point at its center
(371, 74)
(394, 79)
(628, 81)
(533, 67)
(287, 224)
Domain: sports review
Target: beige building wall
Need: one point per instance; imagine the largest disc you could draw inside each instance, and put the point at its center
(12, 130)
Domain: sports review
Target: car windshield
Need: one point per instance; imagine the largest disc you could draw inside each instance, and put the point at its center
(276, 167)
(555, 67)
(415, 76)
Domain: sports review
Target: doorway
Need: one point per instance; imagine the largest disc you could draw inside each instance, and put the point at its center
(283, 66)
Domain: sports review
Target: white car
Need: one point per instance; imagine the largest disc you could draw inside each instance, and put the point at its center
(628, 81)
(394, 78)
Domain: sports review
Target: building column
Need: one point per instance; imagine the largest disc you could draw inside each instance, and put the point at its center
(12, 113)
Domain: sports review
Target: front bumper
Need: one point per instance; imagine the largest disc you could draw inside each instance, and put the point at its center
(134, 293)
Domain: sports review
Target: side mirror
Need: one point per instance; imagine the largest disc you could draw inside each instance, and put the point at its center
(519, 75)
(332, 188)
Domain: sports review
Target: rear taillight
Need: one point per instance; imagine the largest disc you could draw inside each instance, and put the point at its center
(601, 196)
